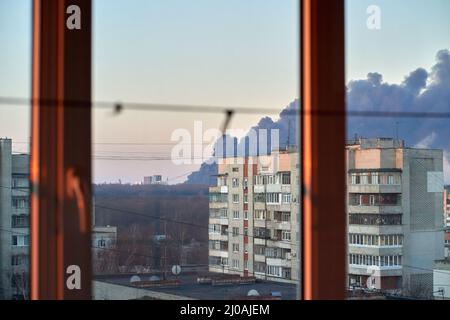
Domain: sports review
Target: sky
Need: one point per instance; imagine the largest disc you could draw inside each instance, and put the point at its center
(205, 52)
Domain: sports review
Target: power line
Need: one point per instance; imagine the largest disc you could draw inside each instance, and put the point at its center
(185, 223)
(163, 107)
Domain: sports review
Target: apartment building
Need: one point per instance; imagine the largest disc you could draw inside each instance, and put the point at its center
(255, 217)
(395, 225)
(14, 222)
(447, 221)
(155, 179)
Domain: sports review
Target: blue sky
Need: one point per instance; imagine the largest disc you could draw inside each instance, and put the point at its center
(212, 52)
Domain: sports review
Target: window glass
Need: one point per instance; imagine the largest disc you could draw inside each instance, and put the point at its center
(15, 92)
(398, 98)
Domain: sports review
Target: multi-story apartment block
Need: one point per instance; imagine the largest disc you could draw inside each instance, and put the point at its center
(395, 225)
(447, 220)
(447, 205)
(255, 217)
(14, 223)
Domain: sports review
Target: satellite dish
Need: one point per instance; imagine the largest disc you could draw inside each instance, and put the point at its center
(253, 293)
(154, 278)
(135, 279)
(176, 269)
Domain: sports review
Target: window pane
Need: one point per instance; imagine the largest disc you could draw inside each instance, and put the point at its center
(15, 79)
(398, 99)
(170, 189)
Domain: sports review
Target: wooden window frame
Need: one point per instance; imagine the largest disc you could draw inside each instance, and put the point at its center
(60, 166)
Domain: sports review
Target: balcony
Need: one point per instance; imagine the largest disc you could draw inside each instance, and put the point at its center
(278, 262)
(218, 205)
(218, 253)
(20, 192)
(260, 258)
(375, 250)
(215, 220)
(375, 209)
(273, 188)
(375, 270)
(280, 225)
(374, 188)
(219, 189)
(369, 229)
(259, 223)
(218, 236)
(258, 188)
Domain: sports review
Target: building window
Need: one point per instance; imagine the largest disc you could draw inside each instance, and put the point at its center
(19, 183)
(259, 215)
(218, 197)
(20, 241)
(223, 213)
(286, 178)
(274, 271)
(235, 182)
(375, 219)
(245, 198)
(245, 215)
(236, 214)
(214, 228)
(235, 198)
(235, 247)
(286, 198)
(235, 169)
(101, 243)
(245, 264)
(20, 203)
(375, 240)
(235, 231)
(286, 217)
(261, 233)
(384, 199)
(285, 235)
(260, 267)
(20, 221)
(273, 197)
(235, 264)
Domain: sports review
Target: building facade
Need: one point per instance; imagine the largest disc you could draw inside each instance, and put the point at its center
(155, 179)
(14, 223)
(447, 220)
(394, 206)
(254, 217)
(441, 279)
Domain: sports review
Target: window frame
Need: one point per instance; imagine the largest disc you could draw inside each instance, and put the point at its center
(61, 148)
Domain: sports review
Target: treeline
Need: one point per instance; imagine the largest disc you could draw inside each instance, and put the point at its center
(158, 225)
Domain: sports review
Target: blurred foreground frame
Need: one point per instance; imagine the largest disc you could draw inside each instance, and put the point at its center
(60, 170)
(322, 151)
(61, 174)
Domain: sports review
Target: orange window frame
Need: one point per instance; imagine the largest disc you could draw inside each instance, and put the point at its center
(61, 150)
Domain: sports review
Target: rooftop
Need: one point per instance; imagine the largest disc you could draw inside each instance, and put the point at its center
(189, 287)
